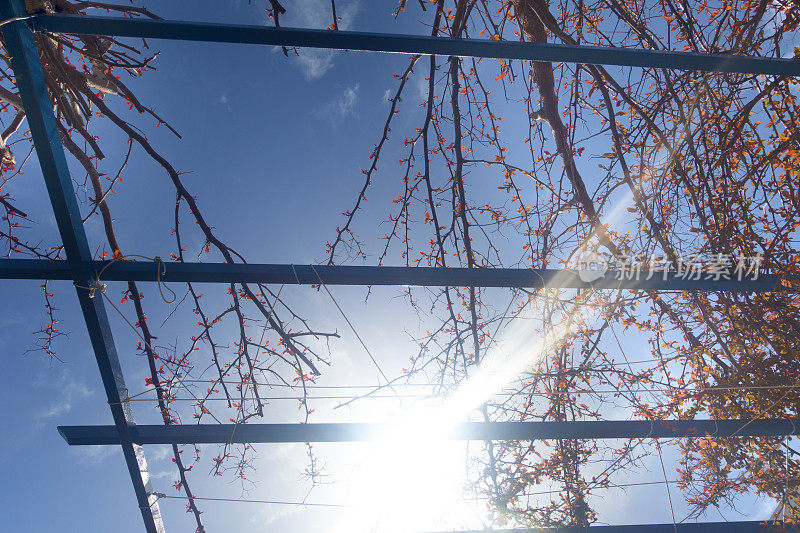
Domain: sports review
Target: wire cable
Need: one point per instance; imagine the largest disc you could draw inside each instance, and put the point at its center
(255, 359)
(161, 270)
(161, 495)
(374, 361)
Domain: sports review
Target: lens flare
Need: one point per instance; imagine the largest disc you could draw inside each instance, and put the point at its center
(413, 478)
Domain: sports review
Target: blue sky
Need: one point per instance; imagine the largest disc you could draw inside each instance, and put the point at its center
(272, 147)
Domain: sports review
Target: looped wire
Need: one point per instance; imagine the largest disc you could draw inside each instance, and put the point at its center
(161, 270)
(346, 319)
(95, 287)
(98, 286)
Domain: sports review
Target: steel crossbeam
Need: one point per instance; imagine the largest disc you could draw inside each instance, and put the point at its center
(386, 275)
(355, 432)
(412, 44)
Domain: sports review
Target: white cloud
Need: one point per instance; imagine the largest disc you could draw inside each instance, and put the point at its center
(272, 513)
(766, 506)
(317, 14)
(171, 474)
(223, 100)
(94, 455)
(315, 63)
(347, 103)
(421, 85)
(341, 106)
(159, 453)
(69, 392)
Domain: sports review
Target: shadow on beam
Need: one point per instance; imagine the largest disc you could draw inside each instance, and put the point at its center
(384, 275)
(350, 432)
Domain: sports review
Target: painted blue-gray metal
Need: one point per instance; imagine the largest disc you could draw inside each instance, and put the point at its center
(384, 275)
(412, 44)
(80, 268)
(20, 44)
(750, 526)
(357, 432)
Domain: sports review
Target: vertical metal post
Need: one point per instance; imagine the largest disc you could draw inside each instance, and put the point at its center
(21, 45)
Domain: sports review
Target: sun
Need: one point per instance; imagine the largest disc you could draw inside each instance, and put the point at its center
(414, 478)
(411, 479)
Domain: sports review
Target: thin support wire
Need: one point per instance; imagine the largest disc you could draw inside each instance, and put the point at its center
(374, 361)
(786, 481)
(255, 359)
(666, 484)
(161, 495)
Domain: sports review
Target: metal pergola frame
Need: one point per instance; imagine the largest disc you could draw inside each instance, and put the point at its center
(18, 29)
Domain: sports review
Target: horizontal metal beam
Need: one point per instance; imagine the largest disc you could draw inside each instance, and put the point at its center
(411, 44)
(750, 526)
(355, 432)
(384, 275)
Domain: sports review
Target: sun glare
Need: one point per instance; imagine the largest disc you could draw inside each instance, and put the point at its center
(410, 478)
(414, 478)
